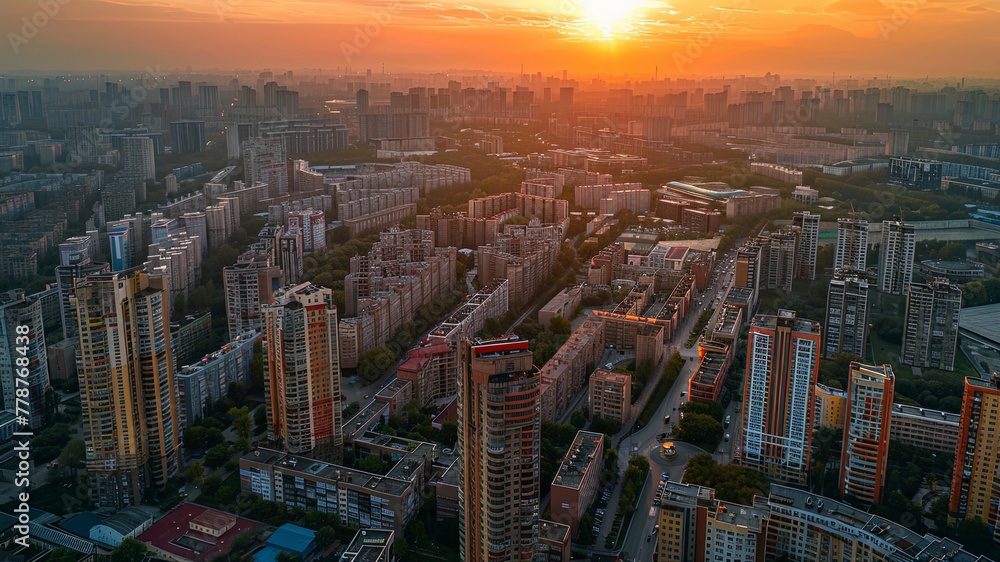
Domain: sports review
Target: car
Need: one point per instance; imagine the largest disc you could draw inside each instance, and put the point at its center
(727, 437)
(683, 392)
(727, 421)
(666, 419)
(682, 415)
(649, 538)
(367, 396)
(663, 476)
(609, 365)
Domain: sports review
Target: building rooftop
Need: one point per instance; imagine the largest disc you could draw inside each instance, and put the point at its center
(741, 515)
(786, 317)
(552, 531)
(329, 471)
(916, 546)
(738, 296)
(728, 324)
(937, 416)
(981, 321)
(686, 494)
(368, 545)
(579, 459)
(172, 534)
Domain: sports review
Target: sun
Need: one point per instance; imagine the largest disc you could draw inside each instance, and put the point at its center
(611, 16)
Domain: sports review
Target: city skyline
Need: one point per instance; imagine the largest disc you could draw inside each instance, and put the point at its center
(645, 38)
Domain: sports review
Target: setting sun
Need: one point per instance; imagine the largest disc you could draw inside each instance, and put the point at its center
(612, 17)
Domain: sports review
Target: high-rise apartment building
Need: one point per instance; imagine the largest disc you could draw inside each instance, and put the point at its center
(137, 157)
(895, 256)
(498, 444)
(852, 244)
(930, 334)
(782, 367)
(189, 136)
(846, 313)
(76, 261)
(805, 252)
(866, 431)
(127, 388)
(748, 266)
(974, 490)
(264, 162)
(249, 284)
(303, 394)
(23, 356)
(778, 253)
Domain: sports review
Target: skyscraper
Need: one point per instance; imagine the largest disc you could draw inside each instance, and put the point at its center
(805, 252)
(127, 388)
(866, 431)
(303, 394)
(895, 257)
(930, 333)
(782, 367)
(22, 346)
(846, 313)
(974, 490)
(137, 157)
(852, 244)
(498, 444)
(249, 283)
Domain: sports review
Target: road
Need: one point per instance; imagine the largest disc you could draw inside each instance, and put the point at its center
(646, 441)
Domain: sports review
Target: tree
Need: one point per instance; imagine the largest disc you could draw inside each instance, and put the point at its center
(212, 485)
(288, 557)
(578, 419)
(194, 473)
(241, 421)
(449, 433)
(701, 430)
(560, 325)
(401, 548)
(326, 536)
(217, 456)
(63, 554)
(130, 550)
(373, 464)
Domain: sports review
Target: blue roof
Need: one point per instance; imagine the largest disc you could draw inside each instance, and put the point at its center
(267, 554)
(292, 538)
(81, 523)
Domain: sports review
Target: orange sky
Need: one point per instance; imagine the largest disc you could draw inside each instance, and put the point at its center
(849, 37)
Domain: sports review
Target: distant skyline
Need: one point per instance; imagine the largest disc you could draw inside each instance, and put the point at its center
(862, 38)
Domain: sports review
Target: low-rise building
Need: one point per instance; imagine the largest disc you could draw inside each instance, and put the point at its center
(830, 405)
(361, 499)
(578, 480)
(611, 396)
(554, 544)
(563, 305)
(933, 430)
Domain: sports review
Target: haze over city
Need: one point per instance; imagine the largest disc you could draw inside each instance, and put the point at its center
(589, 37)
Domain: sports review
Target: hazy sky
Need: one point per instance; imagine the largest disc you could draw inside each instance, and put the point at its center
(849, 37)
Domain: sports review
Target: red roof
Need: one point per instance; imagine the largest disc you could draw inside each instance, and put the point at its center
(174, 525)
